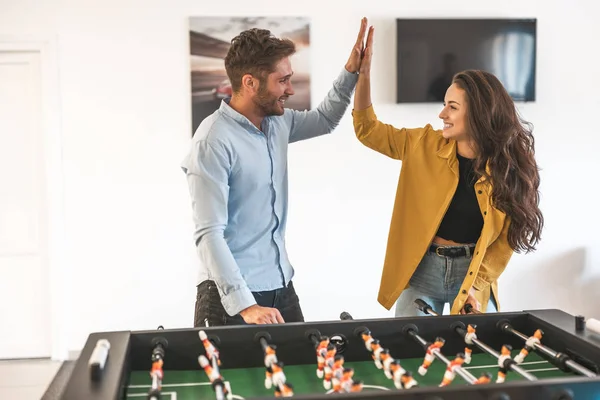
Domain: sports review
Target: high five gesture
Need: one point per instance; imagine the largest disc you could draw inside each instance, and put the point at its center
(362, 97)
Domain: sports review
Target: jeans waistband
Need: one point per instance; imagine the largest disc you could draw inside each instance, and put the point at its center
(452, 251)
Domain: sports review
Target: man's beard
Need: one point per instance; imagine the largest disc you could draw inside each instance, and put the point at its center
(267, 103)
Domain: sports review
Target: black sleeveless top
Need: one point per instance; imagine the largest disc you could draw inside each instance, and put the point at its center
(463, 220)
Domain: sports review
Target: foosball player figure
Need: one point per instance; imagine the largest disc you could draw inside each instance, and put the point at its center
(386, 360)
(408, 381)
(429, 354)
(209, 347)
(321, 354)
(367, 338)
(156, 373)
(357, 386)
(397, 372)
(337, 371)
(285, 390)
(270, 358)
(214, 377)
(451, 369)
(504, 356)
(346, 382)
(485, 377)
(329, 360)
(469, 336)
(376, 349)
(277, 377)
(529, 345)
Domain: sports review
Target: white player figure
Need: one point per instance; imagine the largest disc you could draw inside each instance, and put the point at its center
(397, 372)
(270, 358)
(504, 355)
(469, 336)
(386, 360)
(367, 338)
(408, 381)
(529, 345)
(376, 349)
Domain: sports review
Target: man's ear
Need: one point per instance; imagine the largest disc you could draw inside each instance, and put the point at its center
(249, 83)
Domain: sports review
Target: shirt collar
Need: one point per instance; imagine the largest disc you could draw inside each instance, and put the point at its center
(226, 109)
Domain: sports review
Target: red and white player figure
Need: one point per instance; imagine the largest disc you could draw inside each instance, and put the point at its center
(286, 390)
(357, 386)
(156, 373)
(504, 355)
(485, 377)
(337, 371)
(408, 381)
(278, 376)
(397, 372)
(376, 349)
(329, 360)
(209, 347)
(213, 375)
(367, 338)
(321, 354)
(270, 358)
(429, 354)
(451, 369)
(469, 336)
(529, 345)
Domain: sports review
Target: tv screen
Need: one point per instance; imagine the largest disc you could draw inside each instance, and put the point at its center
(431, 51)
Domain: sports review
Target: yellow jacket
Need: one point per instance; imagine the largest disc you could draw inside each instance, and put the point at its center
(428, 178)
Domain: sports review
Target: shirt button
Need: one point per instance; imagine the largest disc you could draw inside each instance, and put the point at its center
(464, 291)
(485, 213)
(479, 191)
(471, 273)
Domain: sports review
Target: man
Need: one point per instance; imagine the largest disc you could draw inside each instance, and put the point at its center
(237, 176)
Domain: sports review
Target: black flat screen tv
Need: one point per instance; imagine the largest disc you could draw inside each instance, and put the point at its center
(431, 51)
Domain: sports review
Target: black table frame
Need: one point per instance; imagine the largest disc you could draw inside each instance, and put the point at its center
(131, 351)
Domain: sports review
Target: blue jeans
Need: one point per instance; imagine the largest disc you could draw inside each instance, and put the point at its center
(437, 281)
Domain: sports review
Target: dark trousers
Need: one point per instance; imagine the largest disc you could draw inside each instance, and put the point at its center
(209, 307)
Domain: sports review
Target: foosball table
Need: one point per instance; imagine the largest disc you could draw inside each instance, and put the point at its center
(533, 355)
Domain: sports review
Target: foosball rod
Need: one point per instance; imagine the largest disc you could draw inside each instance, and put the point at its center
(466, 375)
(215, 366)
(557, 358)
(426, 308)
(410, 330)
(218, 387)
(512, 364)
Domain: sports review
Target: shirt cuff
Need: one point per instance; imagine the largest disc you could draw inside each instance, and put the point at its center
(365, 114)
(347, 80)
(237, 300)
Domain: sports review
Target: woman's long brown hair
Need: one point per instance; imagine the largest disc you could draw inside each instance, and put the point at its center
(505, 144)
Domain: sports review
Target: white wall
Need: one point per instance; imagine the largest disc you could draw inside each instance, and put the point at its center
(125, 113)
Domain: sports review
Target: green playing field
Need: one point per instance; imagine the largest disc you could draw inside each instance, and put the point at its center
(247, 383)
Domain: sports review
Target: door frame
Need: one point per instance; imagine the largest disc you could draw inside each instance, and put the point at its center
(56, 260)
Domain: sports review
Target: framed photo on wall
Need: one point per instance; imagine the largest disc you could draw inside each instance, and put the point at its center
(210, 38)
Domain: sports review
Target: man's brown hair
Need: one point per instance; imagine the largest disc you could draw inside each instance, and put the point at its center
(256, 52)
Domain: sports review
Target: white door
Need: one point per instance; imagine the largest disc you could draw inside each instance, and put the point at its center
(25, 307)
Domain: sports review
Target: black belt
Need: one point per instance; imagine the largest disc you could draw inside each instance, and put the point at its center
(452, 251)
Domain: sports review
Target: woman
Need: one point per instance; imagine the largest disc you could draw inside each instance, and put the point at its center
(467, 196)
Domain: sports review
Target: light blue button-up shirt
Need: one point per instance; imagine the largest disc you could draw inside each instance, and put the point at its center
(238, 181)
